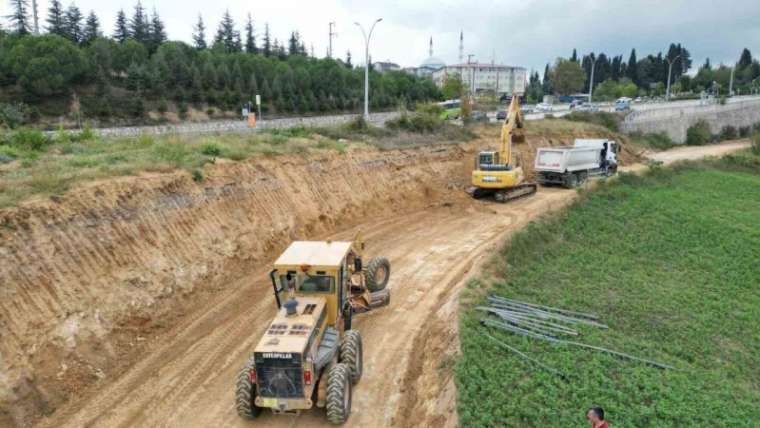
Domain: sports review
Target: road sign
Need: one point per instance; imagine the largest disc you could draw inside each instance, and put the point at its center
(258, 100)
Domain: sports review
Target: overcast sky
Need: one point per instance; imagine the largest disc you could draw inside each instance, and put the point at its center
(526, 33)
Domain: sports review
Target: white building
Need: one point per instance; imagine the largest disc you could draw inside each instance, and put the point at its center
(502, 79)
(383, 66)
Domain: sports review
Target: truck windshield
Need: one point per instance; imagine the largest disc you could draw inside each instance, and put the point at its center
(315, 283)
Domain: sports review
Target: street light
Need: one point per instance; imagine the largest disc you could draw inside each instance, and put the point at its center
(591, 85)
(366, 64)
(670, 68)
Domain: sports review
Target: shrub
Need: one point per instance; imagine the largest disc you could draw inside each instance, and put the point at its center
(698, 134)
(197, 175)
(756, 144)
(417, 122)
(211, 150)
(756, 127)
(162, 107)
(610, 121)
(12, 115)
(745, 131)
(31, 139)
(728, 133)
(655, 140)
(358, 124)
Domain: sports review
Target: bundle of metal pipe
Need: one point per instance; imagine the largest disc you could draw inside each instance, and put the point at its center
(546, 323)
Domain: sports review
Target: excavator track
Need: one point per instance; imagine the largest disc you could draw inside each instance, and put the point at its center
(504, 195)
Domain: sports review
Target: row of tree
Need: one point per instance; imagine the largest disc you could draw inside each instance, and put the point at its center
(613, 77)
(137, 69)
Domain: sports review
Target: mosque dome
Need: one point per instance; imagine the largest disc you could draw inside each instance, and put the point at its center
(433, 63)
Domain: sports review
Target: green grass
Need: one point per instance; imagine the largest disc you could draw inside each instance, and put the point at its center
(670, 262)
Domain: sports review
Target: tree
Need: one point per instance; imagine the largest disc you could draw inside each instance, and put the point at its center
(535, 91)
(121, 32)
(20, 17)
(267, 41)
(574, 57)
(157, 33)
(745, 60)
(453, 87)
(293, 44)
(139, 27)
(567, 77)
(546, 86)
(226, 35)
(56, 19)
(199, 34)
(250, 37)
(632, 69)
(348, 60)
(73, 25)
(91, 29)
(48, 65)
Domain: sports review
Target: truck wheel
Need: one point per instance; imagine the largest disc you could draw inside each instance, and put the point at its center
(376, 273)
(245, 393)
(570, 180)
(338, 394)
(351, 354)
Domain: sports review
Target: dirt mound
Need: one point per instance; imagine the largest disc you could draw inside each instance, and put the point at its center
(95, 273)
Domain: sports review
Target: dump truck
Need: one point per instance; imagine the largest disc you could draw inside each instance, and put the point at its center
(310, 355)
(571, 166)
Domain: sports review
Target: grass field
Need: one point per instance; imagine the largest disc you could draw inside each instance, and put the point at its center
(671, 262)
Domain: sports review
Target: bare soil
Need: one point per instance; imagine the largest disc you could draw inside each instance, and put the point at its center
(135, 301)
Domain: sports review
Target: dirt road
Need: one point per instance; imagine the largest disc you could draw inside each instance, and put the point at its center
(187, 377)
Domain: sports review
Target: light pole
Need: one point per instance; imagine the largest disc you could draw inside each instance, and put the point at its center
(366, 64)
(591, 85)
(670, 68)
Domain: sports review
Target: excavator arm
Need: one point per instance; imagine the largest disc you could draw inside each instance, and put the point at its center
(512, 130)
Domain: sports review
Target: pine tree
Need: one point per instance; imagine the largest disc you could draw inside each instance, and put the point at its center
(250, 37)
(348, 60)
(157, 32)
(547, 83)
(226, 34)
(91, 28)
(633, 69)
(73, 25)
(745, 60)
(267, 41)
(121, 32)
(574, 58)
(293, 44)
(20, 17)
(56, 19)
(199, 34)
(139, 27)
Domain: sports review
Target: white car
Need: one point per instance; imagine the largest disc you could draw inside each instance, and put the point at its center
(544, 107)
(587, 107)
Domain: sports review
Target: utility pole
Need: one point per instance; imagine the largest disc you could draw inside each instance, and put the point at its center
(472, 75)
(367, 38)
(731, 82)
(591, 84)
(331, 35)
(670, 69)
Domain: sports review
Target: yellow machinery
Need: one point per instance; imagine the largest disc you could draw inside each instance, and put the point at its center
(495, 172)
(310, 355)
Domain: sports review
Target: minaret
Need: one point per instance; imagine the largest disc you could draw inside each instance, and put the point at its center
(461, 47)
(431, 46)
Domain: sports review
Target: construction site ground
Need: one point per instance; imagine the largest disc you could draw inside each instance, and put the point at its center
(168, 350)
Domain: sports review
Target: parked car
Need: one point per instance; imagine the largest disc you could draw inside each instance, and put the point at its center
(544, 108)
(576, 103)
(502, 114)
(623, 104)
(479, 116)
(587, 107)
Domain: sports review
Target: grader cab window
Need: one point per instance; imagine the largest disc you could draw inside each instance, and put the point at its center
(315, 284)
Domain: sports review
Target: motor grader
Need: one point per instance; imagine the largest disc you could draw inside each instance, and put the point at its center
(309, 354)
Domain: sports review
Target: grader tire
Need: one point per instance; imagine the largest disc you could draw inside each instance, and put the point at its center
(245, 393)
(351, 354)
(376, 273)
(338, 394)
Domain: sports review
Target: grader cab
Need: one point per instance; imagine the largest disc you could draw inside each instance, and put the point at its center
(309, 354)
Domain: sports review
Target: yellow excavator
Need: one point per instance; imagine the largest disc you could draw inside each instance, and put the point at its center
(495, 173)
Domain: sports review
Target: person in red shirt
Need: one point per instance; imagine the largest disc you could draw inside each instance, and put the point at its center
(595, 415)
